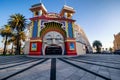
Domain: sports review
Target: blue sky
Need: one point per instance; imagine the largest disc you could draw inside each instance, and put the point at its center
(100, 19)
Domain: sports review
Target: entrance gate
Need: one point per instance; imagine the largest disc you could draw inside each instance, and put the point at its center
(53, 50)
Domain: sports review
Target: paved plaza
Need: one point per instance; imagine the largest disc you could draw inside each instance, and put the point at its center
(84, 67)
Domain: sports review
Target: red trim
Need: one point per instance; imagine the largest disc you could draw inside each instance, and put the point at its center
(70, 38)
(39, 49)
(68, 51)
(37, 38)
(35, 53)
(47, 18)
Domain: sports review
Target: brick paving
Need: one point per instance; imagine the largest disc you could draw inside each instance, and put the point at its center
(84, 67)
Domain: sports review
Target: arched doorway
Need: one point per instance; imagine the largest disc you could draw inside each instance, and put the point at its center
(53, 43)
(53, 50)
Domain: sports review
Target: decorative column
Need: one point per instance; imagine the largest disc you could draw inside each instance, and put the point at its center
(38, 34)
(70, 42)
(35, 29)
(70, 45)
(31, 29)
(40, 13)
(35, 47)
(66, 24)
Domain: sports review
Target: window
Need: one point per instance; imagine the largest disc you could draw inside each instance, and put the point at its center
(72, 46)
(35, 28)
(36, 13)
(70, 30)
(34, 46)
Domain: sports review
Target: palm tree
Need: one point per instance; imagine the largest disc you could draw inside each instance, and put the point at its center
(110, 49)
(97, 44)
(6, 32)
(18, 23)
(13, 39)
(22, 36)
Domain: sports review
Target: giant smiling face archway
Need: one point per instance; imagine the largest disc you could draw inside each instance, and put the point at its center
(53, 43)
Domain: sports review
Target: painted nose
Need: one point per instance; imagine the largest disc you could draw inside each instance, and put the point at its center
(53, 41)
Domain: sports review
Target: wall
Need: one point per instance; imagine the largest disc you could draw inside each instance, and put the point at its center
(80, 48)
(26, 49)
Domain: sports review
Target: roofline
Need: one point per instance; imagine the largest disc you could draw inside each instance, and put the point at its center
(38, 5)
(46, 18)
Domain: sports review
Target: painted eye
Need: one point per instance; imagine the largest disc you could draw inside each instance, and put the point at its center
(49, 38)
(58, 36)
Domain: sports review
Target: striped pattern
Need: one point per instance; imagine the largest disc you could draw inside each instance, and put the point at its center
(52, 26)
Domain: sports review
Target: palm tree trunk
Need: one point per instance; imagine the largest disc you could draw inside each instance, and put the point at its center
(98, 49)
(19, 48)
(4, 52)
(11, 50)
(18, 45)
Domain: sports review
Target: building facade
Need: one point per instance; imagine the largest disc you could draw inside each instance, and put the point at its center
(55, 34)
(116, 42)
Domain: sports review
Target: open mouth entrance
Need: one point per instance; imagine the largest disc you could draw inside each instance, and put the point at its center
(53, 50)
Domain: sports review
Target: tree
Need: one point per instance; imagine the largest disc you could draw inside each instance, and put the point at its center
(110, 49)
(97, 44)
(17, 23)
(6, 32)
(13, 39)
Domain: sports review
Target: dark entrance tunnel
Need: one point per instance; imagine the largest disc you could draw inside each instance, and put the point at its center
(53, 50)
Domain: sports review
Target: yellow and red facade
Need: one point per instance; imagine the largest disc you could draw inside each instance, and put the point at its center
(44, 22)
